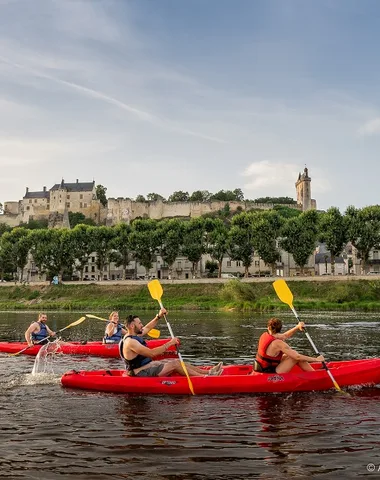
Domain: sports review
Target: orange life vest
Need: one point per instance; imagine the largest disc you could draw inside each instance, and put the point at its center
(262, 357)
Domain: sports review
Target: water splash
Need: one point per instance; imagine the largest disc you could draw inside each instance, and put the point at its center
(45, 359)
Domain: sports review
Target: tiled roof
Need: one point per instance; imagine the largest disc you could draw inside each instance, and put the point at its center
(326, 257)
(36, 194)
(75, 187)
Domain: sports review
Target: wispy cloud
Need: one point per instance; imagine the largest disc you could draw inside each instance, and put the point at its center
(372, 127)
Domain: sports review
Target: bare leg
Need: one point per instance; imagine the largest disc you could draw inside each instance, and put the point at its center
(286, 365)
(306, 366)
(175, 366)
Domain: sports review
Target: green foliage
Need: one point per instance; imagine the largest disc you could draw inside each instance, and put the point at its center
(77, 218)
(33, 295)
(35, 224)
(333, 232)
(101, 194)
(286, 212)
(299, 236)
(193, 246)
(4, 228)
(237, 292)
(154, 197)
(200, 196)
(266, 227)
(140, 198)
(228, 195)
(179, 196)
(276, 200)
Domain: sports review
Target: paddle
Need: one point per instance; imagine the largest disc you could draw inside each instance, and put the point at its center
(77, 322)
(156, 292)
(286, 296)
(154, 333)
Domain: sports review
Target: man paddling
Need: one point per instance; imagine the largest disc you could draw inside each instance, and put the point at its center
(275, 356)
(38, 331)
(138, 357)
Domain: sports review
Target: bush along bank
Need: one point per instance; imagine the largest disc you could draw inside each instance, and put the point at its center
(256, 296)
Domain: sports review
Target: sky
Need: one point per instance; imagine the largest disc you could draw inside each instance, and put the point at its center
(156, 96)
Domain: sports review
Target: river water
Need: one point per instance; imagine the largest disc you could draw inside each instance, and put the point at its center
(48, 432)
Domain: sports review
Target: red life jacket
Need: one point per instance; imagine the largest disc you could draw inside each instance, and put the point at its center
(262, 357)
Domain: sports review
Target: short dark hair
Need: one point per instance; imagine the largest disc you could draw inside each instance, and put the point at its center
(274, 325)
(130, 319)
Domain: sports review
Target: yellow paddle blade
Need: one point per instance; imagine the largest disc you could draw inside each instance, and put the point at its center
(155, 289)
(154, 333)
(283, 292)
(89, 315)
(77, 322)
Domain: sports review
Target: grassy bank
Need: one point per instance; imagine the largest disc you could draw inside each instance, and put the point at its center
(255, 296)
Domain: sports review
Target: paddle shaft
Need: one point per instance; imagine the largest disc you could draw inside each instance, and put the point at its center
(178, 352)
(317, 352)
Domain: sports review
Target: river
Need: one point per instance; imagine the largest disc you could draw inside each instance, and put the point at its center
(48, 432)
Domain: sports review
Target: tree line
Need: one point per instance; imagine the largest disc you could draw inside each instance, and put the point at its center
(239, 236)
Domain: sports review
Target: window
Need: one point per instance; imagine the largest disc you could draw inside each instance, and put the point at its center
(85, 205)
(30, 201)
(35, 201)
(92, 259)
(86, 268)
(68, 197)
(228, 263)
(28, 208)
(93, 269)
(179, 264)
(81, 196)
(68, 204)
(238, 264)
(80, 205)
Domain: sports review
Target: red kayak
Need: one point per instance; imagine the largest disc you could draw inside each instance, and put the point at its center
(234, 379)
(97, 349)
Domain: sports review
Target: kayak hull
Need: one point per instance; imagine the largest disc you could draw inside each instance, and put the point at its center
(97, 349)
(236, 379)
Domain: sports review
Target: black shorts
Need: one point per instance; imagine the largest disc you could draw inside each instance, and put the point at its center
(258, 368)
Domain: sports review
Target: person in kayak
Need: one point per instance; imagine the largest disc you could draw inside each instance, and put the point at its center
(275, 356)
(114, 330)
(38, 331)
(138, 358)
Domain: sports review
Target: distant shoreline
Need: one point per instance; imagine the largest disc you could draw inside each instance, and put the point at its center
(252, 294)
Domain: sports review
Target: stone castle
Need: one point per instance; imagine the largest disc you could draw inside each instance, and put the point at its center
(54, 204)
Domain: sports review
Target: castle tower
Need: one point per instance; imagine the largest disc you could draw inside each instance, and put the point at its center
(303, 188)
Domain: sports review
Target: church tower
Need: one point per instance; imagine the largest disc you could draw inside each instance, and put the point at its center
(303, 188)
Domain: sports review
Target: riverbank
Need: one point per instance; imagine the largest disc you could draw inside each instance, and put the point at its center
(213, 294)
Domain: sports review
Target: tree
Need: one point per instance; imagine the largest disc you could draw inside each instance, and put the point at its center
(77, 218)
(194, 242)
(239, 195)
(35, 224)
(144, 242)
(200, 196)
(101, 194)
(170, 237)
(286, 212)
(240, 240)
(140, 198)
(155, 197)
(179, 196)
(1, 208)
(82, 246)
(4, 228)
(216, 241)
(102, 238)
(121, 253)
(299, 237)
(266, 228)
(52, 251)
(227, 195)
(276, 200)
(333, 232)
(364, 231)
(16, 244)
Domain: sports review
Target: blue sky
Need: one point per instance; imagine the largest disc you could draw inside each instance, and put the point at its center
(164, 95)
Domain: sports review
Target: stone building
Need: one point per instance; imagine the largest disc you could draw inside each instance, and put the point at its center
(303, 189)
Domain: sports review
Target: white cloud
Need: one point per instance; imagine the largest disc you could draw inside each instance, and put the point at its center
(372, 127)
(270, 175)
